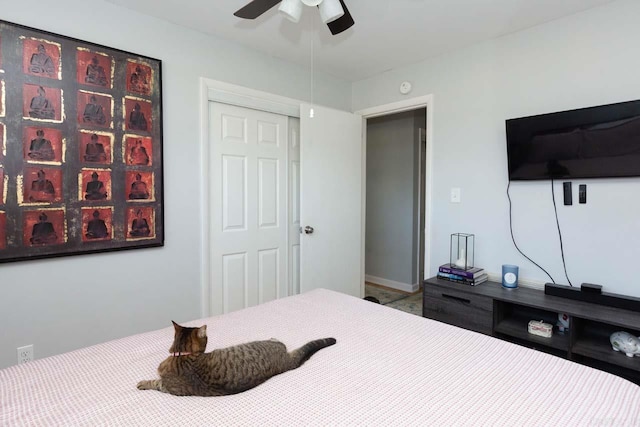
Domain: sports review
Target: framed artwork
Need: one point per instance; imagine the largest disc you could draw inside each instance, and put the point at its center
(80, 147)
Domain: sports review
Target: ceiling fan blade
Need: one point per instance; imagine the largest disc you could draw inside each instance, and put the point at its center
(343, 23)
(255, 8)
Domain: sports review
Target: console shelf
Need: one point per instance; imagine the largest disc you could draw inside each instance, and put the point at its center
(517, 329)
(593, 341)
(505, 313)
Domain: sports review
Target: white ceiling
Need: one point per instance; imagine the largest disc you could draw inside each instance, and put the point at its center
(388, 33)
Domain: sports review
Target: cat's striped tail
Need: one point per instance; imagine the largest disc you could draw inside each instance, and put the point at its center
(303, 354)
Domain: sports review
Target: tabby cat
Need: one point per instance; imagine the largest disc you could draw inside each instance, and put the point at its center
(189, 371)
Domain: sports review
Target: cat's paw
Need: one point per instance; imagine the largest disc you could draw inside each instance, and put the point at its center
(146, 385)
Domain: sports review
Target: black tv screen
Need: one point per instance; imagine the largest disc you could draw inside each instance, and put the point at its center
(593, 142)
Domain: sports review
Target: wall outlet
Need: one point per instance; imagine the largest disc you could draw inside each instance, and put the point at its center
(25, 354)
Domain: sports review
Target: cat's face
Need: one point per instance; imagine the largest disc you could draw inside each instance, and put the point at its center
(189, 340)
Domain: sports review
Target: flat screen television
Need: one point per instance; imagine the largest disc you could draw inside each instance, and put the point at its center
(595, 142)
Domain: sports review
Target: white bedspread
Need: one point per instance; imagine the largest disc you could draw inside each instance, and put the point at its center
(387, 368)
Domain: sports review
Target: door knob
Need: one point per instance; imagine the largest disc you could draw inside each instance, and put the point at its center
(308, 230)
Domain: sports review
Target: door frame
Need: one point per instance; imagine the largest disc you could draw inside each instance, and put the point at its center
(425, 101)
(219, 91)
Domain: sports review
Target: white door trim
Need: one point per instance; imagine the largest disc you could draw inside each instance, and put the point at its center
(241, 96)
(425, 101)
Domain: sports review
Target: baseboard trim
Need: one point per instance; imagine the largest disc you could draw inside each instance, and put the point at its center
(405, 287)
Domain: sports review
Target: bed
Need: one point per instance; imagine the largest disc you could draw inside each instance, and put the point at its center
(387, 368)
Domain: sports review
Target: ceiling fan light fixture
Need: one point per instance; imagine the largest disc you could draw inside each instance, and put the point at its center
(291, 9)
(312, 2)
(330, 10)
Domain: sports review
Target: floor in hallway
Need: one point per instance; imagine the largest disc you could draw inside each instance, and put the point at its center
(411, 303)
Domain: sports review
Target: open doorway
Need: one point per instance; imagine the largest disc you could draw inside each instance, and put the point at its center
(395, 204)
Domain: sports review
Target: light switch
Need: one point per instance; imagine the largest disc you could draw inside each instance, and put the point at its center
(455, 195)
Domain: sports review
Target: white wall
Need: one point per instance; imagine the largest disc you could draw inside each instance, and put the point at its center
(66, 303)
(587, 59)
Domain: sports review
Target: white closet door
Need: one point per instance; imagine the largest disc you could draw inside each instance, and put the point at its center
(331, 200)
(248, 193)
(294, 206)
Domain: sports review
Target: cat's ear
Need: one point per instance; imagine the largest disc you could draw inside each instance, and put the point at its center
(176, 326)
(202, 331)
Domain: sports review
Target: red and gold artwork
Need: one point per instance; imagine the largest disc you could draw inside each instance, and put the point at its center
(139, 78)
(3, 230)
(97, 224)
(138, 151)
(94, 109)
(80, 147)
(40, 144)
(44, 227)
(42, 185)
(137, 114)
(95, 185)
(42, 103)
(41, 58)
(3, 148)
(93, 68)
(139, 185)
(3, 96)
(95, 147)
(140, 223)
(2, 196)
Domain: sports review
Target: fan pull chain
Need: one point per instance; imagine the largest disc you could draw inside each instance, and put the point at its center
(313, 30)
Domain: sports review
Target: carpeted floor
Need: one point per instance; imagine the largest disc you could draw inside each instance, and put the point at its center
(411, 303)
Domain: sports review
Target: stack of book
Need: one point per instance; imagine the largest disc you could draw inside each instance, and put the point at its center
(473, 276)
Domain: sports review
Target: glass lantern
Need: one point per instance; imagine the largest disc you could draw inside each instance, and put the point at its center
(462, 251)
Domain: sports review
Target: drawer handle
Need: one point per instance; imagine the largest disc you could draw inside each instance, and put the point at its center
(462, 300)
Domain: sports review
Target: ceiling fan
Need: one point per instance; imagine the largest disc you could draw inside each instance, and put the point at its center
(334, 13)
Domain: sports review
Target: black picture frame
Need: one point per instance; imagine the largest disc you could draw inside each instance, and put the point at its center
(81, 167)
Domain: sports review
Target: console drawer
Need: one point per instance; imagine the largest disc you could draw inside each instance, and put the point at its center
(458, 308)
